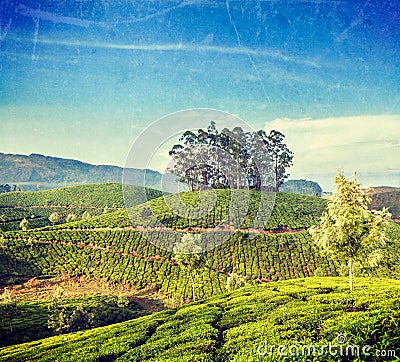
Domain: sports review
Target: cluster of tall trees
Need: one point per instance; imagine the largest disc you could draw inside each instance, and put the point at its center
(231, 159)
(9, 188)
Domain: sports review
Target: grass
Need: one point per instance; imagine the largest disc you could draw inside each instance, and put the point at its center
(230, 327)
(102, 248)
(285, 210)
(29, 321)
(96, 199)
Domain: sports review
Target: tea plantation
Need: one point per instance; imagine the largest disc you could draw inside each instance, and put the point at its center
(95, 199)
(108, 247)
(29, 319)
(302, 315)
(259, 252)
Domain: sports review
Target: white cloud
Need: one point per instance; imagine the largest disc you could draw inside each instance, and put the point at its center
(368, 144)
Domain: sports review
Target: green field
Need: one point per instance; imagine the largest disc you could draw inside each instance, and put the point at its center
(231, 327)
(95, 199)
(260, 252)
(288, 210)
(108, 247)
(29, 320)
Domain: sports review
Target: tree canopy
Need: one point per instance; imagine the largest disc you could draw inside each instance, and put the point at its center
(348, 229)
(188, 255)
(231, 159)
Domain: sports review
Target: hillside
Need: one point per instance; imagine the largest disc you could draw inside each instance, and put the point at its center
(53, 172)
(390, 198)
(244, 325)
(288, 210)
(108, 247)
(94, 199)
(304, 187)
(29, 319)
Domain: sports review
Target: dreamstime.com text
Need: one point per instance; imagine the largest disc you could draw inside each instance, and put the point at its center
(337, 349)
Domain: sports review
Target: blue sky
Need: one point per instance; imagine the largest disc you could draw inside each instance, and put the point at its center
(82, 79)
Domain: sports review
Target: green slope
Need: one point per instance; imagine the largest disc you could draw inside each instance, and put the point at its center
(288, 210)
(310, 312)
(37, 206)
(100, 247)
(29, 321)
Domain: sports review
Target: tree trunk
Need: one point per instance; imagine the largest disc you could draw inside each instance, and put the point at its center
(351, 273)
(193, 294)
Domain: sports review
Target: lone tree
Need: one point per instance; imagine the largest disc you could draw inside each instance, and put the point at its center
(188, 256)
(86, 215)
(348, 229)
(54, 218)
(24, 224)
(8, 307)
(71, 217)
(3, 219)
(57, 320)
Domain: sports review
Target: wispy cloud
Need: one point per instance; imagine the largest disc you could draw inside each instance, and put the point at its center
(179, 47)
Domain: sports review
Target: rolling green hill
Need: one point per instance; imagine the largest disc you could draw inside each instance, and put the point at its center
(288, 210)
(29, 320)
(96, 199)
(241, 325)
(108, 247)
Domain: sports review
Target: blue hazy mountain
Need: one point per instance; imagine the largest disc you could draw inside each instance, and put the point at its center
(55, 172)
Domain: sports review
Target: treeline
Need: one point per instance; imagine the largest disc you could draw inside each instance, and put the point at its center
(231, 159)
(304, 187)
(9, 188)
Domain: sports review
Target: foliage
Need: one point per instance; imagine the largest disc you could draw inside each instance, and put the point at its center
(57, 318)
(24, 224)
(348, 229)
(86, 215)
(54, 218)
(236, 326)
(234, 282)
(8, 307)
(290, 210)
(71, 217)
(30, 318)
(281, 155)
(7, 188)
(231, 159)
(105, 247)
(188, 255)
(74, 200)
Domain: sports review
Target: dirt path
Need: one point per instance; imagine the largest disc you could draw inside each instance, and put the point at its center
(69, 207)
(225, 228)
(29, 289)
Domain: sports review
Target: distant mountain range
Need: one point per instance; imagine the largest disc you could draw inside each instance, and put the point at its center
(50, 172)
